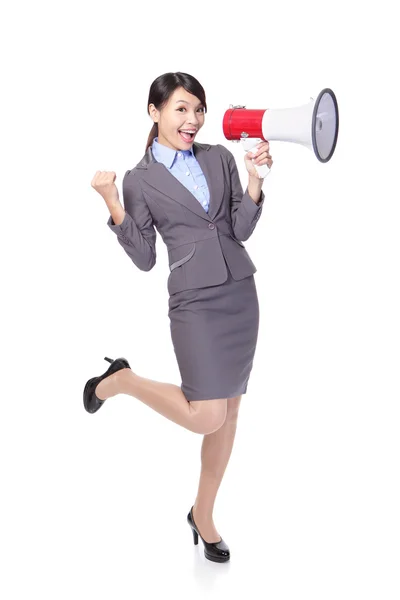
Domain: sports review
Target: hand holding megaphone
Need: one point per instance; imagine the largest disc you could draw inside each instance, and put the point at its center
(257, 159)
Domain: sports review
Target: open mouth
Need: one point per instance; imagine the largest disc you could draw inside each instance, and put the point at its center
(186, 137)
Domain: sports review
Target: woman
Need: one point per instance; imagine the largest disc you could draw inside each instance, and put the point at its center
(192, 194)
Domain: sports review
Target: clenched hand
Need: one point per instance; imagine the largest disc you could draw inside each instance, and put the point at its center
(103, 183)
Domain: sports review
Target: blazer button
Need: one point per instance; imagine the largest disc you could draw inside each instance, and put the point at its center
(211, 226)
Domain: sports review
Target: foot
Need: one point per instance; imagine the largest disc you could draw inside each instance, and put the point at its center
(206, 527)
(109, 386)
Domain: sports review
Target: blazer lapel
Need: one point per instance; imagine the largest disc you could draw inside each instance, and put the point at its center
(158, 176)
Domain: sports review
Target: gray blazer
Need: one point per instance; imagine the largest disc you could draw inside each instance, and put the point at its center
(197, 241)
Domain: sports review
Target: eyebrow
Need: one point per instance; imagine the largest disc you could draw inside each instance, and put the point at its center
(199, 104)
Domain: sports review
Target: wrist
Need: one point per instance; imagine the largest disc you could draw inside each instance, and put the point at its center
(112, 201)
(256, 179)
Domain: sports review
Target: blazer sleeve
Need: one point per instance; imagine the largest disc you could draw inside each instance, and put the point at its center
(136, 233)
(244, 211)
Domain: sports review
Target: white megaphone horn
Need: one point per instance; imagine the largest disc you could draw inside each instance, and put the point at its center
(315, 125)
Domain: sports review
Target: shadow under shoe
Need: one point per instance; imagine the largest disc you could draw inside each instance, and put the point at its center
(216, 551)
(90, 401)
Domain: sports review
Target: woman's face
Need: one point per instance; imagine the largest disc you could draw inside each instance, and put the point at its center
(183, 111)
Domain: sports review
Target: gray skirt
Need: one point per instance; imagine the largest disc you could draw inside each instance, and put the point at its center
(214, 333)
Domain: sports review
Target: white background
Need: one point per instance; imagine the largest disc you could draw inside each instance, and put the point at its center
(94, 506)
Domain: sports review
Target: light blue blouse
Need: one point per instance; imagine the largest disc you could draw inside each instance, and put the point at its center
(184, 166)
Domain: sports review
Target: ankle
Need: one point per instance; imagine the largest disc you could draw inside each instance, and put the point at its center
(124, 380)
(110, 386)
(202, 514)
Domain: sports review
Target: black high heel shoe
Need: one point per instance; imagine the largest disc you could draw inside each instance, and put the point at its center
(216, 551)
(90, 401)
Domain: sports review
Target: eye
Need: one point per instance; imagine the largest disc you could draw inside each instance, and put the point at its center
(183, 108)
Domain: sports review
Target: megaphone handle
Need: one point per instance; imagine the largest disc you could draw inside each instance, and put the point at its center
(250, 144)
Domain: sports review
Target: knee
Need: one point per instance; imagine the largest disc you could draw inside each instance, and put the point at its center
(209, 415)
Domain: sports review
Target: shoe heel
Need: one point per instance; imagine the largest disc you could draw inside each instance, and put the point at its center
(195, 537)
(110, 360)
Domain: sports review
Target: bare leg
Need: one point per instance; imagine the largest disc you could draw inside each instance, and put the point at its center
(199, 416)
(215, 453)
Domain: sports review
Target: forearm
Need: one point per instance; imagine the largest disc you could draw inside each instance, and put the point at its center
(133, 224)
(254, 188)
(117, 211)
(246, 207)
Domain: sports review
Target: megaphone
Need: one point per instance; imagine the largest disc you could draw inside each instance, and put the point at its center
(315, 125)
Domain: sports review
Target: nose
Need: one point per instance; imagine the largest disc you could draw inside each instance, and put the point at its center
(194, 122)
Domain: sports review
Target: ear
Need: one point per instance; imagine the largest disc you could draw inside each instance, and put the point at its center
(153, 112)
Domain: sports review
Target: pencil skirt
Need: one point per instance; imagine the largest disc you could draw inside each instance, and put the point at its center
(214, 333)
